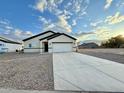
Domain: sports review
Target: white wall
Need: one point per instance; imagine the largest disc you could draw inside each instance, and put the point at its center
(10, 47)
(13, 47)
(28, 50)
(61, 38)
(35, 43)
(3, 45)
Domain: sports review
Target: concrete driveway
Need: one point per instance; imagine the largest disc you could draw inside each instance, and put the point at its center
(79, 72)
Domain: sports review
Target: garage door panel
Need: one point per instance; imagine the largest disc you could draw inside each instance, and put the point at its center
(62, 47)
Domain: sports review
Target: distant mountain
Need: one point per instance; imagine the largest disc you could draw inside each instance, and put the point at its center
(88, 45)
(98, 42)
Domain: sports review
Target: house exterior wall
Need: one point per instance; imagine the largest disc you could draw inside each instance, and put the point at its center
(9, 47)
(31, 50)
(38, 46)
(35, 42)
(61, 39)
(13, 47)
(3, 47)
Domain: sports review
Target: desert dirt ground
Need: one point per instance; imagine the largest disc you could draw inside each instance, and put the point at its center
(116, 55)
(26, 71)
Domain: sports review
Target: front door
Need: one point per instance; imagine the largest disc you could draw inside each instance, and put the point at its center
(45, 46)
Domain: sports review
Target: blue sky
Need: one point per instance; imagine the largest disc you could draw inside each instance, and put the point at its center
(88, 20)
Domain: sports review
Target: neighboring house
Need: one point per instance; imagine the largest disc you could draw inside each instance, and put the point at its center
(88, 45)
(49, 41)
(7, 45)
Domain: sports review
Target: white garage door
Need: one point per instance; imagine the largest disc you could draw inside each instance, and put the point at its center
(62, 47)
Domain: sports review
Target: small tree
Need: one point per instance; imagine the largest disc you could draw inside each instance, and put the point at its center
(114, 42)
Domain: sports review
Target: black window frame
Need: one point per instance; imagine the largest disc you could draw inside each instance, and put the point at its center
(30, 45)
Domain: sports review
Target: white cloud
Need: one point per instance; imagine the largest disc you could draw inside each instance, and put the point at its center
(41, 5)
(77, 7)
(84, 13)
(65, 16)
(60, 26)
(18, 32)
(9, 27)
(67, 12)
(98, 34)
(120, 4)
(104, 33)
(117, 18)
(61, 23)
(3, 22)
(100, 30)
(81, 33)
(49, 27)
(7, 32)
(29, 33)
(94, 24)
(51, 5)
(72, 9)
(56, 28)
(64, 23)
(74, 22)
(108, 4)
(11, 32)
(44, 20)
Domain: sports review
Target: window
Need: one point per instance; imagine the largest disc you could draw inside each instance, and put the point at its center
(30, 45)
(1, 44)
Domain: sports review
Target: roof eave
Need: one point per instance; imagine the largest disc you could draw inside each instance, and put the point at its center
(37, 35)
(63, 34)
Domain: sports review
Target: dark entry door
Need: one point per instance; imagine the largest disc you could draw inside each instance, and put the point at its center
(46, 47)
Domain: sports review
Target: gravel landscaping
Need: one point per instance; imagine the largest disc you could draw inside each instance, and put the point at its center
(26, 71)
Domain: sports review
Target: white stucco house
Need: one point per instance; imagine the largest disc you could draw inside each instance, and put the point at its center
(7, 45)
(50, 41)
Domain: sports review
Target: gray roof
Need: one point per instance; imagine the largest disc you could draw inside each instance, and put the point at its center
(8, 41)
(56, 35)
(38, 35)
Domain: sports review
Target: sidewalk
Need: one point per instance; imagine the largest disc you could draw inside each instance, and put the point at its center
(33, 91)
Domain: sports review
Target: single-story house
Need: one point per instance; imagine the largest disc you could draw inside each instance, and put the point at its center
(50, 41)
(88, 45)
(7, 45)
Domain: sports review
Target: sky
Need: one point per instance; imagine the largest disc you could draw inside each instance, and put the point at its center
(88, 20)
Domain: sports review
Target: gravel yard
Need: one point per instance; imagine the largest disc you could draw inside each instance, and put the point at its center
(116, 55)
(26, 71)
